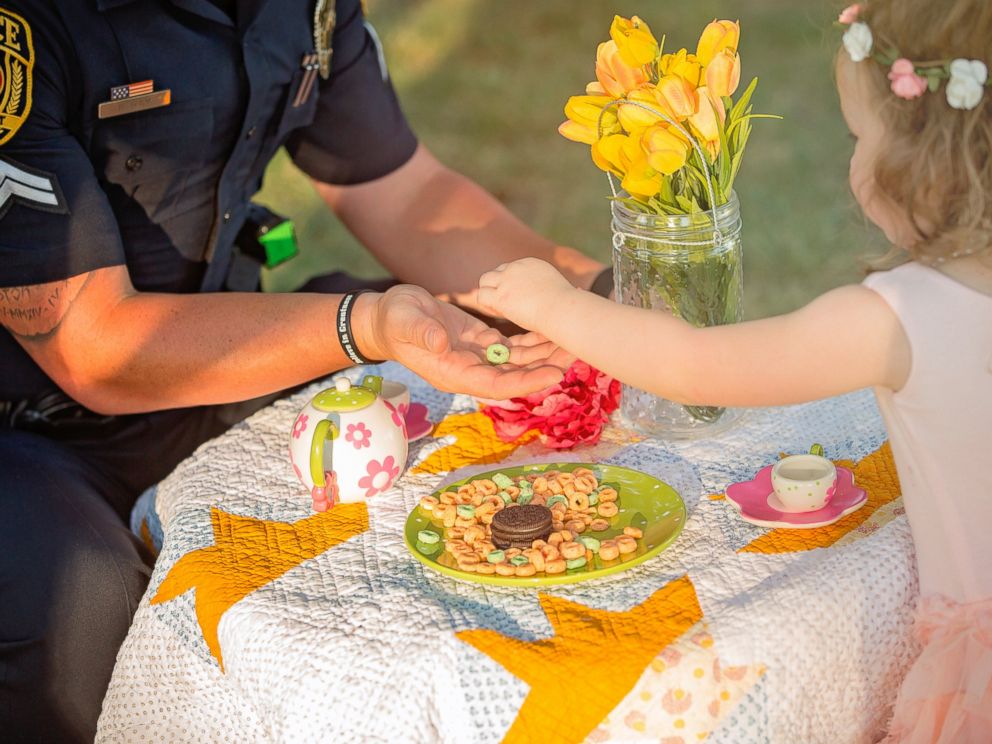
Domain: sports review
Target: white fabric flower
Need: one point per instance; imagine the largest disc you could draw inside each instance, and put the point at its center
(858, 41)
(967, 84)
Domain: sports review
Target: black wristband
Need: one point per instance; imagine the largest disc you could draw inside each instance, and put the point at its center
(603, 283)
(345, 335)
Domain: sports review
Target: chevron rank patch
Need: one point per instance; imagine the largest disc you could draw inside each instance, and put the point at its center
(16, 68)
(29, 187)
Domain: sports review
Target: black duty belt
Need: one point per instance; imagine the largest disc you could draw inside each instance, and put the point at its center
(53, 414)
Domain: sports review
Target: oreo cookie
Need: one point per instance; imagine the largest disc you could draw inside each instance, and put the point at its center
(520, 526)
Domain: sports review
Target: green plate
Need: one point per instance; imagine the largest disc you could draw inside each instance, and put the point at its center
(644, 502)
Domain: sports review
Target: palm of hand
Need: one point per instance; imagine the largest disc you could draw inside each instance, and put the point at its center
(447, 347)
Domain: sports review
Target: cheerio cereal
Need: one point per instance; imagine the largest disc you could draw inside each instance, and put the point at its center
(578, 502)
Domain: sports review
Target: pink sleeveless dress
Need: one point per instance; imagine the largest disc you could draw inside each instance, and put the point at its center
(940, 425)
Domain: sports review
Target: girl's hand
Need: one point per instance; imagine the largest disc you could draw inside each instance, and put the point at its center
(523, 291)
(447, 347)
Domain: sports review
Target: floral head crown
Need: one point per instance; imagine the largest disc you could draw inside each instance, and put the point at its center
(966, 78)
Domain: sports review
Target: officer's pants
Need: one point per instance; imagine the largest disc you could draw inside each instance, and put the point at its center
(71, 572)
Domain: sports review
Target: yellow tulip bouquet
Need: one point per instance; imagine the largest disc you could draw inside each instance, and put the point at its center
(666, 129)
(656, 163)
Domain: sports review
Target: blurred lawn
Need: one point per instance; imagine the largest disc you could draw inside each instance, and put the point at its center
(484, 82)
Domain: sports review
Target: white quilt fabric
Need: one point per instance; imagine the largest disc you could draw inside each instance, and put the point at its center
(359, 645)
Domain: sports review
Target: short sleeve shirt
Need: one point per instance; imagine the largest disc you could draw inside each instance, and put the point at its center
(165, 190)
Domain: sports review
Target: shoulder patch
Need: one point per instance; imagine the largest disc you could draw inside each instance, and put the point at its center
(30, 187)
(16, 71)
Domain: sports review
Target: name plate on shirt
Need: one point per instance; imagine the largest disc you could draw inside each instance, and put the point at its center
(132, 105)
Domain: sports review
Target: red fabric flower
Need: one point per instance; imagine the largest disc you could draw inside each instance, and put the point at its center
(572, 412)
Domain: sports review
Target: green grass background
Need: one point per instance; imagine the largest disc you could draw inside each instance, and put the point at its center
(484, 82)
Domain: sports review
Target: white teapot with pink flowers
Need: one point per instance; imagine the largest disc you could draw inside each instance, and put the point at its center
(348, 443)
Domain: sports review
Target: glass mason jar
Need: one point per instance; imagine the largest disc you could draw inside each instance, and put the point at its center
(678, 264)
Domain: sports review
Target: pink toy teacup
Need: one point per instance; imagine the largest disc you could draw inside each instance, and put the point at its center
(802, 483)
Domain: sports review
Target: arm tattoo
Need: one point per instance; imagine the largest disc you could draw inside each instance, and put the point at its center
(34, 313)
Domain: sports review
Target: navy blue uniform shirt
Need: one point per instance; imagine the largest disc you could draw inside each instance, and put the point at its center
(165, 191)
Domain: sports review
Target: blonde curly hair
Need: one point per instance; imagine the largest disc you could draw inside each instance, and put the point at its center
(937, 164)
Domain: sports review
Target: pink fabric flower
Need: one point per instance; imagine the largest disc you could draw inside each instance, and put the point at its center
(905, 82)
(359, 435)
(380, 476)
(572, 412)
(300, 426)
(850, 14)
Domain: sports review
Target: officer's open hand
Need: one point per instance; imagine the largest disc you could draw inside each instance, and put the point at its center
(447, 347)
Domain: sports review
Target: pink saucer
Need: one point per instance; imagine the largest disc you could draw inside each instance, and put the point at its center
(755, 500)
(418, 425)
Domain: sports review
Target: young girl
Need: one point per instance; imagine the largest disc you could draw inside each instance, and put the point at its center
(920, 334)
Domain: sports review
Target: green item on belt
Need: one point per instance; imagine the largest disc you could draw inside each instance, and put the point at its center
(279, 243)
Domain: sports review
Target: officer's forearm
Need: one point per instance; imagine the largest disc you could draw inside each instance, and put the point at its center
(171, 351)
(433, 227)
(125, 352)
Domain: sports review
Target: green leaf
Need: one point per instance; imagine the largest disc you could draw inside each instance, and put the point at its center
(736, 166)
(744, 132)
(666, 194)
(630, 202)
(724, 158)
(744, 100)
(748, 117)
(699, 184)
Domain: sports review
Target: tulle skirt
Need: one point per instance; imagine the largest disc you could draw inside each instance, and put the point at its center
(947, 696)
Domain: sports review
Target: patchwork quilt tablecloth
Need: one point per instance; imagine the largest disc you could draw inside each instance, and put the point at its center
(265, 622)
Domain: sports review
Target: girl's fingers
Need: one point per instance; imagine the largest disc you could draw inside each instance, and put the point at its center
(526, 355)
(531, 338)
(487, 299)
(492, 278)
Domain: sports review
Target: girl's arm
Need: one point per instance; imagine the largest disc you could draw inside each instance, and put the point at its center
(844, 340)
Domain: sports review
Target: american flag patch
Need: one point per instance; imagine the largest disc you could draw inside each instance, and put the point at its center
(120, 92)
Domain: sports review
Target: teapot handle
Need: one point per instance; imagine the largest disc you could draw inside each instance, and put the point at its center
(324, 430)
(373, 383)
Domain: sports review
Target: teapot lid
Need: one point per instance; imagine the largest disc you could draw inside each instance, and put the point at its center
(344, 397)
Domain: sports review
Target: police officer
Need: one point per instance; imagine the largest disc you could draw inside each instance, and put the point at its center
(133, 134)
